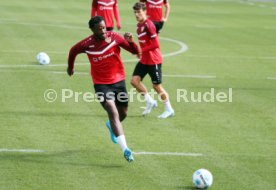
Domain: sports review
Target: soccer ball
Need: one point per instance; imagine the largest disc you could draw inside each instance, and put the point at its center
(42, 58)
(202, 179)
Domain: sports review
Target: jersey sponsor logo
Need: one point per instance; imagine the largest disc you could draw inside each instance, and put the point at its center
(155, 6)
(103, 51)
(155, 3)
(91, 46)
(100, 58)
(105, 8)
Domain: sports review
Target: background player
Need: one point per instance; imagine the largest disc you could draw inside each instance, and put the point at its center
(108, 75)
(106, 9)
(155, 12)
(150, 62)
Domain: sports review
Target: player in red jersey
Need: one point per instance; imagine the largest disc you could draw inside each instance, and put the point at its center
(155, 12)
(108, 75)
(105, 9)
(150, 62)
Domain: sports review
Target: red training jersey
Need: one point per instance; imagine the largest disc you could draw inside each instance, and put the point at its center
(148, 40)
(104, 56)
(155, 9)
(105, 9)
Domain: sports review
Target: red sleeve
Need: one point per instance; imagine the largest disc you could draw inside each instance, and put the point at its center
(131, 47)
(94, 8)
(151, 32)
(154, 44)
(74, 51)
(116, 14)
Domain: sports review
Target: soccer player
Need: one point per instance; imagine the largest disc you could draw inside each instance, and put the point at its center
(150, 62)
(108, 75)
(155, 12)
(105, 9)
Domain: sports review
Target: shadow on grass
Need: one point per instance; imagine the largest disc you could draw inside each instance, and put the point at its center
(187, 188)
(50, 114)
(77, 158)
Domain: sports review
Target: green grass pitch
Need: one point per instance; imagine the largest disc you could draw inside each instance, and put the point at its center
(234, 42)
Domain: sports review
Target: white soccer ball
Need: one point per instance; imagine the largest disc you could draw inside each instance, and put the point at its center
(42, 58)
(202, 179)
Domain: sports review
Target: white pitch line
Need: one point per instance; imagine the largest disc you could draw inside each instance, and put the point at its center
(262, 6)
(20, 150)
(38, 65)
(31, 51)
(8, 19)
(87, 73)
(168, 153)
(38, 24)
(191, 76)
(183, 46)
(172, 76)
(230, 57)
(63, 73)
(271, 78)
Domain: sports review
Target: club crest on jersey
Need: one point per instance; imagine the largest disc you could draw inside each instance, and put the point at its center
(108, 40)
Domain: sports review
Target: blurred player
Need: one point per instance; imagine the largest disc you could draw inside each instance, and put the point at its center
(155, 12)
(108, 75)
(150, 62)
(106, 9)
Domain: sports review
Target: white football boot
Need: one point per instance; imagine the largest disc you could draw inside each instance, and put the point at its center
(150, 106)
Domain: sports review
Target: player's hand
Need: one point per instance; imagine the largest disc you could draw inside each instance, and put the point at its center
(119, 27)
(128, 37)
(139, 55)
(164, 19)
(70, 72)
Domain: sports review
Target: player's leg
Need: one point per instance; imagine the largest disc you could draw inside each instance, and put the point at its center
(156, 78)
(104, 92)
(158, 26)
(113, 116)
(117, 128)
(109, 28)
(121, 101)
(139, 73)
(122, 112)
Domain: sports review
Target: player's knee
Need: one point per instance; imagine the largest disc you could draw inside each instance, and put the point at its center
(134, 81)
(156, 87)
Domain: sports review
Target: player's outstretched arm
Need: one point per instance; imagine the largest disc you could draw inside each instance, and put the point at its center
(117, 16)
(167, 12)
(129, 37)
(94, 8)
(129, 44)
(74, 51)
(70, 71)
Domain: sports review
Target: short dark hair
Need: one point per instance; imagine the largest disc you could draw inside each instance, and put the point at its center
(139, 6)
(95, 20)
